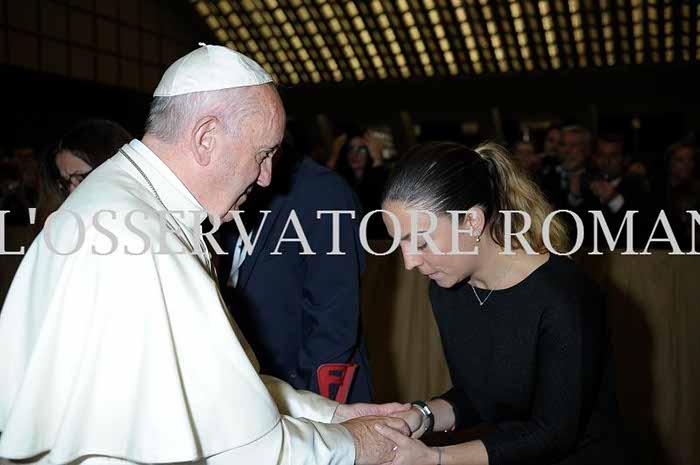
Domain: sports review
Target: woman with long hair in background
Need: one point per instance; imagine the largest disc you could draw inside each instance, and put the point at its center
(84, 147)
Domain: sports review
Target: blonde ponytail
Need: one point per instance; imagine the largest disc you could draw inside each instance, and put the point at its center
(513, 189)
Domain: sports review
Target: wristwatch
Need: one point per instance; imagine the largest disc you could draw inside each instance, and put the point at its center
(427, 414)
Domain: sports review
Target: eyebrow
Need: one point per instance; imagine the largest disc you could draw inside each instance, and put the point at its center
(406, 236)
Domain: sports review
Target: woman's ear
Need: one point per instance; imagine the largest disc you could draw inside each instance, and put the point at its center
(476, 220)
(204, 139)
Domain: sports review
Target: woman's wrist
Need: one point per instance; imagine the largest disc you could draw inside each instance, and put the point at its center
(436, 455)
(444, 415)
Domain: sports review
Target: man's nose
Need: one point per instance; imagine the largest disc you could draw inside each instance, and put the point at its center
(265, 176)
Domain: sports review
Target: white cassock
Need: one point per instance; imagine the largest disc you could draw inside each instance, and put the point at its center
(131, 357)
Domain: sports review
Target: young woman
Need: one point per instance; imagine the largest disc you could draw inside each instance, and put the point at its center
(82, 148)
(524, 334)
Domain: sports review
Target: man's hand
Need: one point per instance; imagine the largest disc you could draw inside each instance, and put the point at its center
(409, 451)
(350, 411)
(603, 190)
(415, 421)
(370, 446)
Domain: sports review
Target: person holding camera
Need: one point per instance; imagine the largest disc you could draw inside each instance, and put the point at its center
(360, 162)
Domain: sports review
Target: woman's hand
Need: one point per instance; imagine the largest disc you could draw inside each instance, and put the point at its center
(375, 146)
(415, 420)
(408, 451)
(346, 412)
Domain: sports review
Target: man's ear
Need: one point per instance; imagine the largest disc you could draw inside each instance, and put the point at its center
(204, 139)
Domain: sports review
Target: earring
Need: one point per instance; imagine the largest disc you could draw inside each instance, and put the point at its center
(478, 238)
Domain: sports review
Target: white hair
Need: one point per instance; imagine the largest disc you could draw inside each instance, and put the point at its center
(170, 117)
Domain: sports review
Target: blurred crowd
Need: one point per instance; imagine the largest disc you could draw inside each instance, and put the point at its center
(19, 186)
(43, 180)
(577, 172)
(580, 173)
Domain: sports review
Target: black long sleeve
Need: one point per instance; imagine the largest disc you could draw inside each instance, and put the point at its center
(530, 364)
(466, 414)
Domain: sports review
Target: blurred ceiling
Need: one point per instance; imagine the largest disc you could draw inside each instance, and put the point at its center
(321, 41)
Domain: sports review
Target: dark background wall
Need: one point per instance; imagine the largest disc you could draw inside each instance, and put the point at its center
(62, 60)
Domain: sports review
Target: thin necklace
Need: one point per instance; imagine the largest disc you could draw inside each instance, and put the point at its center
(482, 302)
(155, 193)
(148, 181)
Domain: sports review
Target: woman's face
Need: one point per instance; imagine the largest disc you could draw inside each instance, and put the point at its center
(446, 269)
(72, 169)
(682, 164)
(358, 153)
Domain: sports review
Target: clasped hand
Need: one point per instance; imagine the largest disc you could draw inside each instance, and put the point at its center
(415, 421)
(409, 450)
(361, 420)
(377, 428)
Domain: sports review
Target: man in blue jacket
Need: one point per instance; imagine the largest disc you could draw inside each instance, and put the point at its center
(299, 311)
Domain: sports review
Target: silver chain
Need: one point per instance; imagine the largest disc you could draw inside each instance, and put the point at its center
(155, 193)
(148, 181)
(482, 302)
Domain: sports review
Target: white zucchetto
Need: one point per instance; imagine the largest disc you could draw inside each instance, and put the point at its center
(210, 67)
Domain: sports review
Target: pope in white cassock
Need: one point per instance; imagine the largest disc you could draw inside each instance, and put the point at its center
(115, 344)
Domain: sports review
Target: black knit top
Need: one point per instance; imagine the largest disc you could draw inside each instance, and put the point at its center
(533, 363)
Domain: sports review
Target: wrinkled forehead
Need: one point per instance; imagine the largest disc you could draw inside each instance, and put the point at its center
(275, 108)
(270, 116)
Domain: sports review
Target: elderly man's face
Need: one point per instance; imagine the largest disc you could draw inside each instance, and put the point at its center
(610, 158)
(574, 150)
(246, 157)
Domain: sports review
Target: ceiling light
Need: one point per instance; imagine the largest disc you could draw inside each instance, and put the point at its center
(225, 7)
(351, 9)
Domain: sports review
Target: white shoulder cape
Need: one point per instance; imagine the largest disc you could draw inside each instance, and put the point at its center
(128, 356)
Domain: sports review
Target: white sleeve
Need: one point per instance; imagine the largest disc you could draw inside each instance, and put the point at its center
(299, 404)
(292, 402)
(294, 441)
(307, 441)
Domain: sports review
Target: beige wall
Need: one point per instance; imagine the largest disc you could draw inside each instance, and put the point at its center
(126, 43)
(655, 323)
